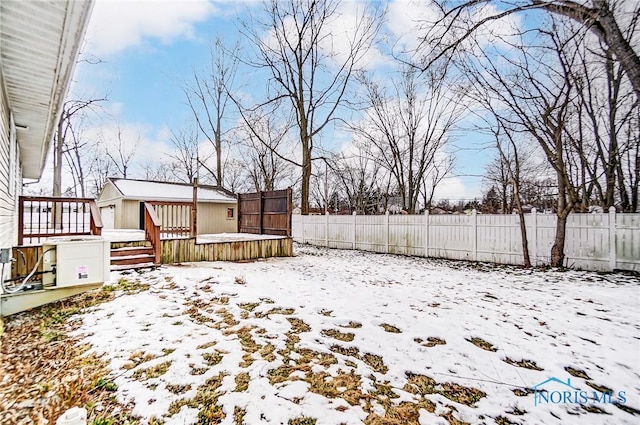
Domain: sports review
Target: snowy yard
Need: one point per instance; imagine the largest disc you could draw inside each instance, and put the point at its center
(346, 337)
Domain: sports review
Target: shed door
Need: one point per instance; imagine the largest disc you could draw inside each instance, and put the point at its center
(108, 217)
(141, 216)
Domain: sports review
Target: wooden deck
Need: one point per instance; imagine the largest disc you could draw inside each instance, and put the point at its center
(182, 250)
(188, 250)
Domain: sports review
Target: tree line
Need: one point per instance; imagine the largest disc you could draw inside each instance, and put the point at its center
(553, 86)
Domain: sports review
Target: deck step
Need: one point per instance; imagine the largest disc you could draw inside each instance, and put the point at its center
(131, 250)
(127, 244)
(115, 268)
(132, 259)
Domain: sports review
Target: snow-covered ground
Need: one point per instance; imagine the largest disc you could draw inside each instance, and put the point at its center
(352, 337)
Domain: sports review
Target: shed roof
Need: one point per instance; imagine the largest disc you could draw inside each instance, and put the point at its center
(145, 190)
(39, 44)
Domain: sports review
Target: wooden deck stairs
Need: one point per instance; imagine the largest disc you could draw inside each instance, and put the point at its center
(141, 253)
(132, 255)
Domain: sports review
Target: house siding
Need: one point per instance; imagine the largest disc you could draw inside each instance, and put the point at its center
(129, 215)
(108, 195)
(212, 218)
(9, 176)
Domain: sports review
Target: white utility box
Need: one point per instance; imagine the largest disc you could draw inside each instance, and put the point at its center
(75, 261)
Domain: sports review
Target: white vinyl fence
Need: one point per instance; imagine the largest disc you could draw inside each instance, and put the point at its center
(606, 241)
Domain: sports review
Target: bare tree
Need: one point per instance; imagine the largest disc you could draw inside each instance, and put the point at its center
(235, 178)
(606, 19)
(100, 168)
(121, 152)
(536, 96)
(264, 142)
(68, 143)
(362, 180)
(208, 97)
(497, 174)
(158, 171)
(324, 188)
(74, 154)
(186, 158)
(440, 168)
(514, 171)
(297, 46)
(408, 128)
(607, 122)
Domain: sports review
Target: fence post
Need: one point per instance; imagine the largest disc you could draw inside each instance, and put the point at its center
(301, 218)
(387, 231)
(260, 200)
(533, 252)
(426, 233)
(612, 238)
(239, 214)
(326, 229)
(353, 242)
(474, 234)
(194, 210)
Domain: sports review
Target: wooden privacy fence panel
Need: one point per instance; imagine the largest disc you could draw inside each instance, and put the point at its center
(604, 241)
(42, 217)
(265, 213)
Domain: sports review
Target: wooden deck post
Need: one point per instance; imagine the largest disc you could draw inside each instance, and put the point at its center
(21, 220)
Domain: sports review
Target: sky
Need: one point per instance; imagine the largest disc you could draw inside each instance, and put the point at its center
(146, 50)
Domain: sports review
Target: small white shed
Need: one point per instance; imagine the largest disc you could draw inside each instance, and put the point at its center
(121, 204)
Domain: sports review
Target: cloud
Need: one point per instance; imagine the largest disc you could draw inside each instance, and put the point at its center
(349, 24)
(117, 25)
(452, 188)
(405, 19)
(410, 21)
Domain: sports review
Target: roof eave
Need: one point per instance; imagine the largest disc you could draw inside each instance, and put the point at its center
(34, 148)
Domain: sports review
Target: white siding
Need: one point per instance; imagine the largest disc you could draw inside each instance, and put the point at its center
(10, 178)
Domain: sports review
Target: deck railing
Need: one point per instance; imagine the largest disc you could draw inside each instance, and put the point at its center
(176, 219)
(152, 229)
(40, 217)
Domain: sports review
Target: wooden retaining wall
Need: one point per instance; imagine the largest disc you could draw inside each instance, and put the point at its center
(187, 250)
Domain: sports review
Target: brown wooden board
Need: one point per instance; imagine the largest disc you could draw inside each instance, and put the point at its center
(25, 258)
(187, 250)
(265, 213)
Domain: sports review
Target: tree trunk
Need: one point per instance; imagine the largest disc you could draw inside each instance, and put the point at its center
(218, 150)
(306, 177)
(523, 226)
(557, 250)
(57, 157)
